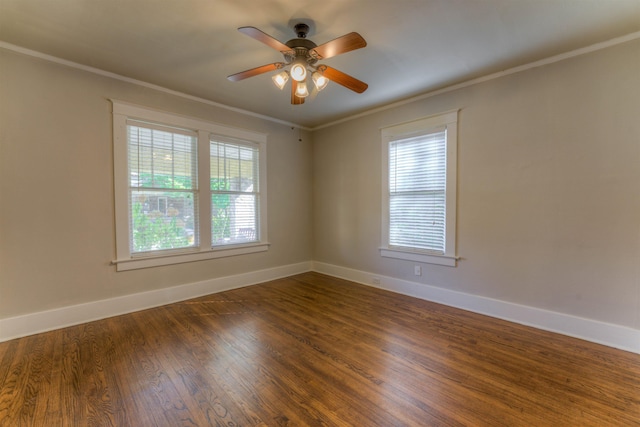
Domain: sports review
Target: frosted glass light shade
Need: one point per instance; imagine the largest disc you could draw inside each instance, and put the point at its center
(319, 80)
(281, 79)
(301, 90)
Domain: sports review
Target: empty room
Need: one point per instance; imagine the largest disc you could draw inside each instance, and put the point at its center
(339, 213)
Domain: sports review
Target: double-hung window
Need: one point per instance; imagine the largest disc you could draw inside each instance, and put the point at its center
(163, 187)
(235, 196)
(419, 198)
(185, 189)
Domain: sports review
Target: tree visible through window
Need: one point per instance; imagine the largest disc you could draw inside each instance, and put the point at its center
(163, 188)
(234, 192)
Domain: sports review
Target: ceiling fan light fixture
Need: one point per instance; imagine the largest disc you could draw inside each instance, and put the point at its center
(301, 90)
(319, 80)
(299, 70)
(300, 58)
(281, 79)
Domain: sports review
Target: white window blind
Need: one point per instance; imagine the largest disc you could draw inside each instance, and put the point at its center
(417, 192)
(235, 195)
(162, 165)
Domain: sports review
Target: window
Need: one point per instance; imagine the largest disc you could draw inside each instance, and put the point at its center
(172, 174)
(234, 192)
(163, 192)
(419, 182)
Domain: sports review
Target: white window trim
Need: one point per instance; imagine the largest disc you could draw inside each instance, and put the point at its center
(124, 259)
(448, 120)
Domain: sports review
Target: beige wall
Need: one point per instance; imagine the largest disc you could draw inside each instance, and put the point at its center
(548, 188)
(56, 189)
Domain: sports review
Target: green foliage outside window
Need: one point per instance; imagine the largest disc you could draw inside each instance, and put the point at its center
(154, 230)
(220, 218)
(156, 180)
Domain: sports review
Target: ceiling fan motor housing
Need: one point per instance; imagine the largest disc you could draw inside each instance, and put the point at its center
(301, 48)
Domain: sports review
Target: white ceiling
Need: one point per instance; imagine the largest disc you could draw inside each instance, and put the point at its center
(414, 46)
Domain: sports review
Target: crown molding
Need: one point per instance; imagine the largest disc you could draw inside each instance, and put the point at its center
(493, 76)
(98, 71)
(546, 61)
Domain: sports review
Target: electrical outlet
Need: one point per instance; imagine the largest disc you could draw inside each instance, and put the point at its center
(417, 270)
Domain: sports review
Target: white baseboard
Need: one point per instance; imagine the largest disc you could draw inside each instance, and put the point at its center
(607, 334)
(611, 335)
(34, 323)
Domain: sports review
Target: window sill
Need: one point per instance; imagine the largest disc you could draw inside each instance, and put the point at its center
(178, 258)
(446, 260)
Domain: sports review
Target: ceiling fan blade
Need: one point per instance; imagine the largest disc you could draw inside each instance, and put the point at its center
(255, 71)
(344, 44)
(265, 38)
(343, 79)
(295, 99)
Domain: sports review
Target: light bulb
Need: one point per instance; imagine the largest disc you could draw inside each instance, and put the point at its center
(281, 79)
(301, 90)
(319, 80)
(299, 70)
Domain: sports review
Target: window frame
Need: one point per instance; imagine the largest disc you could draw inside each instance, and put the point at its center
(144, 136)
(424, 126)
(218, 139)
(125, 260)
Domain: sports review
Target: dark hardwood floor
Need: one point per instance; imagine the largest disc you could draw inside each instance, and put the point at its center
(312, 350)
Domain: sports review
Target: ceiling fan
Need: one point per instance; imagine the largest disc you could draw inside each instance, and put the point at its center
(302, 55)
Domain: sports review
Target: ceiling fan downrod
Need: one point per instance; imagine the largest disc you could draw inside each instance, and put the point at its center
(301, 30)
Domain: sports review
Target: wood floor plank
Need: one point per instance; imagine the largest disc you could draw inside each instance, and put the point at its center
(218, 359)
(14, 382)
(245, 361)
(126, 367)
(38, 385)
(342, 372)
(313, 350)
(203, 389)
(147, 365)
(400, 387)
